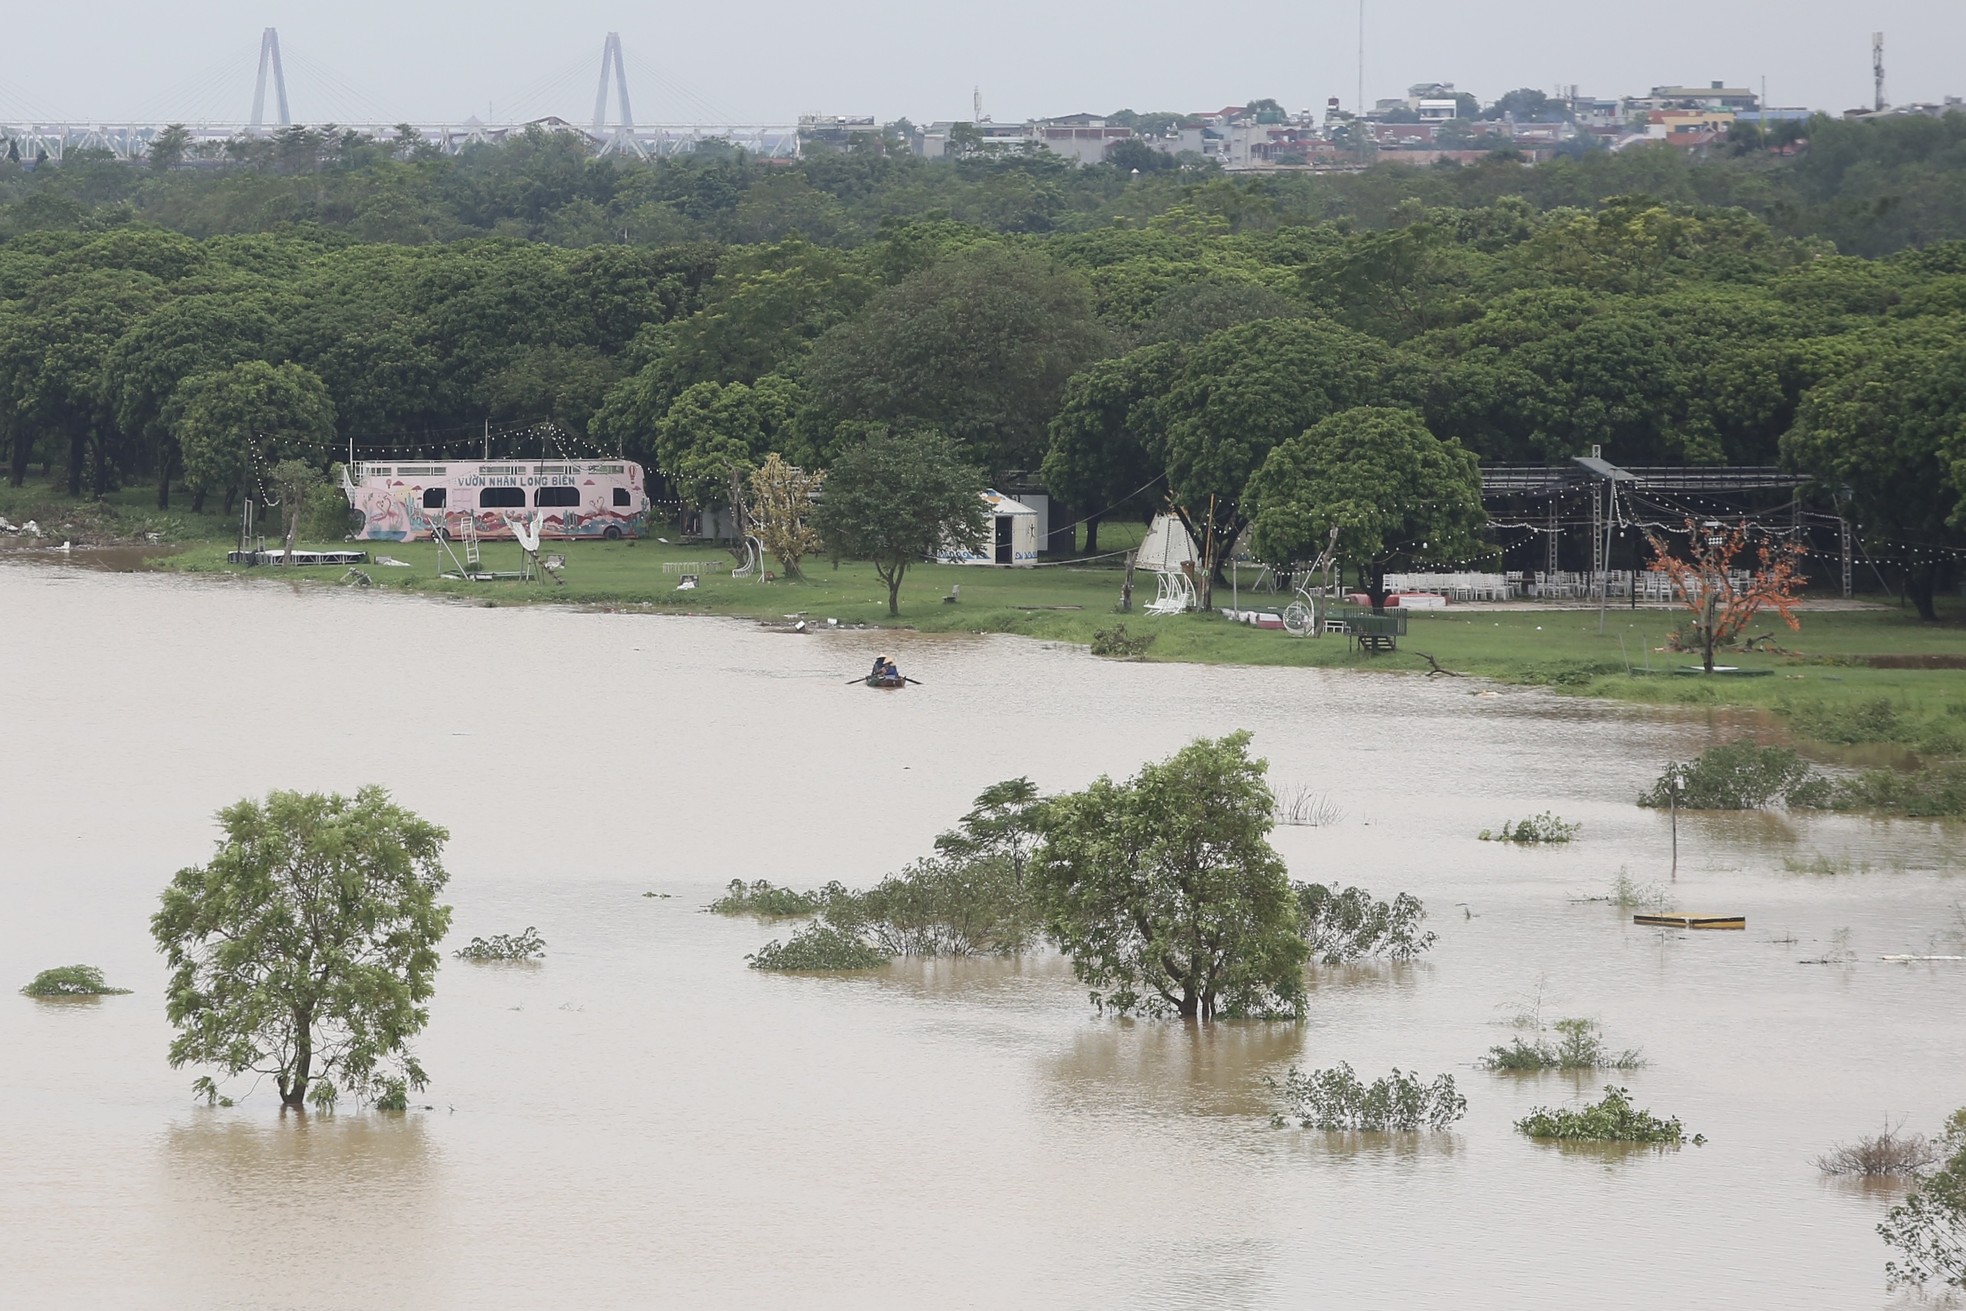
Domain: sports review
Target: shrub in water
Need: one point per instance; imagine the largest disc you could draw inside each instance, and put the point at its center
(1739, 776)
(1881, 1155)
(1337, 1099)
(1579, 1046)
(1346, 924)
(1929, 1227)
(818, 947)
(71, 981)
(761, 897)
(941, 906)
(1612, 1120)
(504, 946)
(1536, 829)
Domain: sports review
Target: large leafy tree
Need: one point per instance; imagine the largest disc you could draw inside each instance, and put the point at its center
(1885, 434)
(234, 424)
(1242, 391)
(306, 949)
(716, 432)
(899, 498)
(1166, 894)
(978, 345)
(1393, 491)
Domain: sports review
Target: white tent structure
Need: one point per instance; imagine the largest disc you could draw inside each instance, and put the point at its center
(1168, 552)
(1011, 540)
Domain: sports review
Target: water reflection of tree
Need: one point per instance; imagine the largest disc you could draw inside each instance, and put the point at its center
(1174, 1069)
(243, 1188)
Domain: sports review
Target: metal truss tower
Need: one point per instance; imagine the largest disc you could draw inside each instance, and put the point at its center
(611, 61)
(1877, 70)
(269, 57)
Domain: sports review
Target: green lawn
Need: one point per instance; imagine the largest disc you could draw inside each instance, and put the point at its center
(1825, 685)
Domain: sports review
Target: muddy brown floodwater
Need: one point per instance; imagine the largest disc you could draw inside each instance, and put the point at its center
(642, 1121)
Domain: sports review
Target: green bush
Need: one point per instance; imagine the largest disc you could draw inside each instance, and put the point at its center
(1612, 1120)
(71, 981)
(1346, 924)
(1120, 644)
(1538, 829)
(1739, 776)
(1579, 1046)
(1935, 792)
(762, 897)
(1337, 1099)
(818, 947)
(1875, 719)
(941, 906)
(504, 946)
(1929, 1227)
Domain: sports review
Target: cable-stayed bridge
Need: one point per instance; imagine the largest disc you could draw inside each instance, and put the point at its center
(211, 107)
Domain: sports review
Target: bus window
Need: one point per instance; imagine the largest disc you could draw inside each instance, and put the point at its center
(501, 498)
(434, 497)
(556, 496)
(621, 496)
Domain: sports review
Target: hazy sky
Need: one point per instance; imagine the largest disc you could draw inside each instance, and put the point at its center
(769, 60)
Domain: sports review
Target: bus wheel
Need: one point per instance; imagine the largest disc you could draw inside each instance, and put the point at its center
(611, 533)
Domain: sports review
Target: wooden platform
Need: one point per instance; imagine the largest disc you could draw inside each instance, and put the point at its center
(1693, 921)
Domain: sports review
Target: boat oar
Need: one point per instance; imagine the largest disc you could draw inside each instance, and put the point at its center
(916, 681)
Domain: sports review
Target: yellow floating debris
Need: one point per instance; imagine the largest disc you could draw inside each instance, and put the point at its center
(1693, 921)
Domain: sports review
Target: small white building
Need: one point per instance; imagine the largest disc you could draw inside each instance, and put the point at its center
(1011, 540)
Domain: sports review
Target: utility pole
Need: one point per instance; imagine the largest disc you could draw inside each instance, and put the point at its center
(1361, 59)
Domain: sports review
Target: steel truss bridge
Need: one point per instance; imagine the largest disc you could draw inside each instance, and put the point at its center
(612, 131)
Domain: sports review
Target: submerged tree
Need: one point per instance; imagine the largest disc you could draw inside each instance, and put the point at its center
(1929, 1227)
(1709, 585)
(1165, 891)
(307, 948)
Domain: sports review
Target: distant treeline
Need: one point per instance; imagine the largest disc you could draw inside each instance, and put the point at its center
(1869, 187)
(1131, 338)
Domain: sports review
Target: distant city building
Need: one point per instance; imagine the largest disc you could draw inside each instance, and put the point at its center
(834, 132)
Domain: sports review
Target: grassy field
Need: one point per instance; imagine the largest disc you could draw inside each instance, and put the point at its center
(1825, 686)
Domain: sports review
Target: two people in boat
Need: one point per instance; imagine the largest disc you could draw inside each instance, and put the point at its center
(885, 670)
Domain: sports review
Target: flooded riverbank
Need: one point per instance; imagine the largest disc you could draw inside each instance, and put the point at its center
(640, 1120)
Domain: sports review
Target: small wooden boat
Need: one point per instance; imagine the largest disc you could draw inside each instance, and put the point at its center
(1693, 921)
(886, 684)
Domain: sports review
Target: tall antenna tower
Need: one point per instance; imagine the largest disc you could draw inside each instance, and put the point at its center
(1360, 102)
(269, 57)
(611, 63)
(976, 104)
(1877, 69)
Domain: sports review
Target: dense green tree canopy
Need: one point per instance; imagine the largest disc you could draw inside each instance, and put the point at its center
(1166, 894)
(1391, 489)
(235, 423)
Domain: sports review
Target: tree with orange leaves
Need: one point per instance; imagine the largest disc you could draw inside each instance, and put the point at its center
(1707, 584)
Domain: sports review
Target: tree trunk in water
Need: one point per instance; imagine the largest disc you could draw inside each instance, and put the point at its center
(294, 1093)
(1921, 584)
(1190, 1005)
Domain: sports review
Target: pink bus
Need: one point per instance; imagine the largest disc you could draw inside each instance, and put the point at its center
(588, 498)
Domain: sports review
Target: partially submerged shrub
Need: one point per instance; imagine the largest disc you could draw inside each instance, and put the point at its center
(1935, 792)
(817, 947)
(941, 906)
(1630, 894)
(71, 981)
(504, 946)
(1305, 808)
(1120, 644)
(1739, 776)
(1579, 1046)
(762, 897)
(1612, 1120)
(1881, 1155)
(1929, 1227)
(1337, 1099)
(1346, 924)
(1536, 829)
